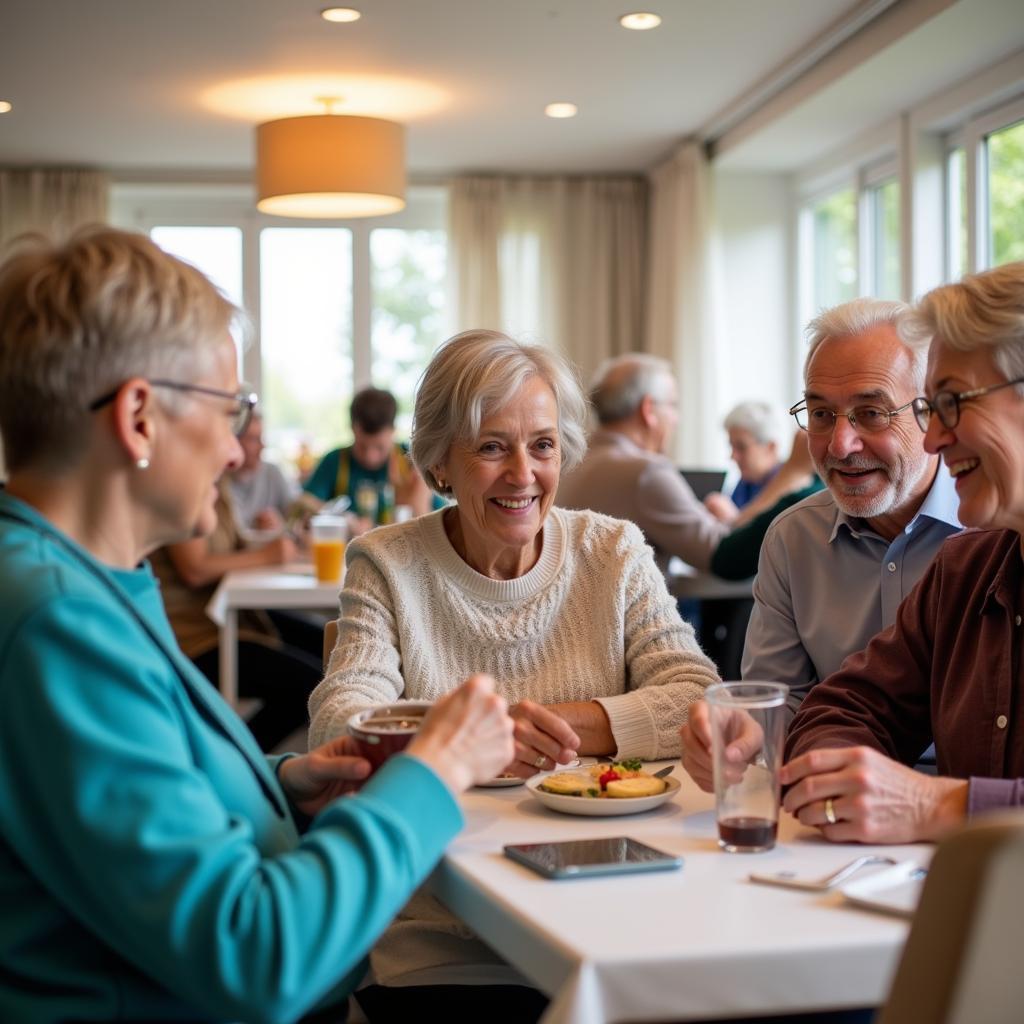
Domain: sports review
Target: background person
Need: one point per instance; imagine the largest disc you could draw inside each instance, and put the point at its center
(626, 473)
(947, 671)
(374, 458)
(755, 436)
(155, 865)
(566, 610)
(280, 656)
(260, 494)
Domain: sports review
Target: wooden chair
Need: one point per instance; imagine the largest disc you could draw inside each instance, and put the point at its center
(962, 961)
(330, 639)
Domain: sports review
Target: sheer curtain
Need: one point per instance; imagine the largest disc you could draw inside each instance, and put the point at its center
(682, 297)
(51, 200)
(555, 260)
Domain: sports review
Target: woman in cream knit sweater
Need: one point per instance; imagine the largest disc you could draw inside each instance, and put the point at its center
(566, 610)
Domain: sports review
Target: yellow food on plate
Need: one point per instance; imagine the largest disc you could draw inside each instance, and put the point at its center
(637, 786)
(621, 780)
(568, 784)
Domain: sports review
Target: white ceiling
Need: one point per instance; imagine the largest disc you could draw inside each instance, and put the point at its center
(121, 83)
(127, 84)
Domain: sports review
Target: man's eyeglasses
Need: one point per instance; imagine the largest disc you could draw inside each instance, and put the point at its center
(946, 404)
(867, 419)
(245, 401)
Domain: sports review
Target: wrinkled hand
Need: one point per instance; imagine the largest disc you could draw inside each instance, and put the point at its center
(874, 799)
(315, 779)
(467, 736)
(721, 507)
(743, 735)
(543, 740)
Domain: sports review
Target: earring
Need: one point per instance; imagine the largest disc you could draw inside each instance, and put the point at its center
(142, 463)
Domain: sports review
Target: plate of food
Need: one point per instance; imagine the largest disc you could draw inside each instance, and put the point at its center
(603, 790)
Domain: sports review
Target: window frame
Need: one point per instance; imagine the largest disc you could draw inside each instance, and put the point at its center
(142, 206)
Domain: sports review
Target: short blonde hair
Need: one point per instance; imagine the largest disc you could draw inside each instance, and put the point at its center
(477, 373)
(79, 318)
(984, 310)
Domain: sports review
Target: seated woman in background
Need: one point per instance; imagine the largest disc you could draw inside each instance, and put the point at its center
(754, 437)
(280, 656)
(154, 865)
(566, 610)
(948, 670)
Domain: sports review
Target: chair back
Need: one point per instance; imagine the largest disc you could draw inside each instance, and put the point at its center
(962, 961)
(330, 639)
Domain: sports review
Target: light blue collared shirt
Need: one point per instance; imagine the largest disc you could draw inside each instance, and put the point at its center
(827, 583)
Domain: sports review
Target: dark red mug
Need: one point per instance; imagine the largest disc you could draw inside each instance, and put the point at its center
(382, 732)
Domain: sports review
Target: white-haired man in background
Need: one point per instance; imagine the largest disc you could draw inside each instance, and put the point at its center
(626, 473)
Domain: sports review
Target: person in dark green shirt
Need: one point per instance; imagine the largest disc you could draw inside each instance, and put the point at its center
(371, 464)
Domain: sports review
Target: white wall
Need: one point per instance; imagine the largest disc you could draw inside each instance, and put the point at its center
(756, 261)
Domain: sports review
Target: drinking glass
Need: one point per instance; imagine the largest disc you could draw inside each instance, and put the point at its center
(750, 718)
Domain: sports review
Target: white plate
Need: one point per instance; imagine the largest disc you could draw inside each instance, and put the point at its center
(896, 890)
(600, 807)
(499, 781)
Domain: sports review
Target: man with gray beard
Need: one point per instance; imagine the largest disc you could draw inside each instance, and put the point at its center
(834, 567)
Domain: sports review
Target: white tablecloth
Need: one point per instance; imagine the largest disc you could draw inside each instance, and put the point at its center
(694, 944)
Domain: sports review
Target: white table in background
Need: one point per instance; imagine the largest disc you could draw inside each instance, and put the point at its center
(289, 587)
(698, 944)
(685, 581)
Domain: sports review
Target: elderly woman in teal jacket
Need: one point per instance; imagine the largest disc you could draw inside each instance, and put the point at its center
(154, 865)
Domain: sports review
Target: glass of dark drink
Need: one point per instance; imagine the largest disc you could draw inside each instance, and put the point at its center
(382, 732)
(748, 728)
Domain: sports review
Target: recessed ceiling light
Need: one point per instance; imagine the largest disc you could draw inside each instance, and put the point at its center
(340, 14)
(5, 106)
(561, 110)
(640, 21)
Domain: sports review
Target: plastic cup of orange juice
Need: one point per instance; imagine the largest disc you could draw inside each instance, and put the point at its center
(329, 534)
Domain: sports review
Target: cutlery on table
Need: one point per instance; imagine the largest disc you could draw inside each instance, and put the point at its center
(790, 880)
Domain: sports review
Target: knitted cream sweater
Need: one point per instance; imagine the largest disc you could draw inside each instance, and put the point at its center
(591, 620)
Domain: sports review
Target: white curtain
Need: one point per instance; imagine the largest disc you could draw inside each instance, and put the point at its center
(682, 290)
(51, 200)
(555, 260)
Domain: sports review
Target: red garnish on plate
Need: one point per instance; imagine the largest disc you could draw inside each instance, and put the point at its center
(609, 776)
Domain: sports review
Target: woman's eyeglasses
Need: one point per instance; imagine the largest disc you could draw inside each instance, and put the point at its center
(946, 404)
(245, 401)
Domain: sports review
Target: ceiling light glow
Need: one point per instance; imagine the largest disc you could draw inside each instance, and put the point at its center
(640, 21)
(5, 106)
(340, 15)
(561, 110)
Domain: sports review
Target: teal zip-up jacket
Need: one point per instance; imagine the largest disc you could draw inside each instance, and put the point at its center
(150, 865)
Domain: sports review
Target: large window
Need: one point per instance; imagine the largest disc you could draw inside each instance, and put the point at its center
(335, 306)
(834, 249)
(1005, 151)
(883, 210)
(408, 309)
(306, 337)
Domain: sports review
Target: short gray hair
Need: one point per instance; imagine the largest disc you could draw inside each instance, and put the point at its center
(759, 419)
(984, 310)
(79, 318)
(475, 374)
(858, 317)
(621, 384)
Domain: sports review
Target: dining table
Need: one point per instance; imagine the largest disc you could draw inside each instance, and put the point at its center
(700, 943)
(289, 587)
